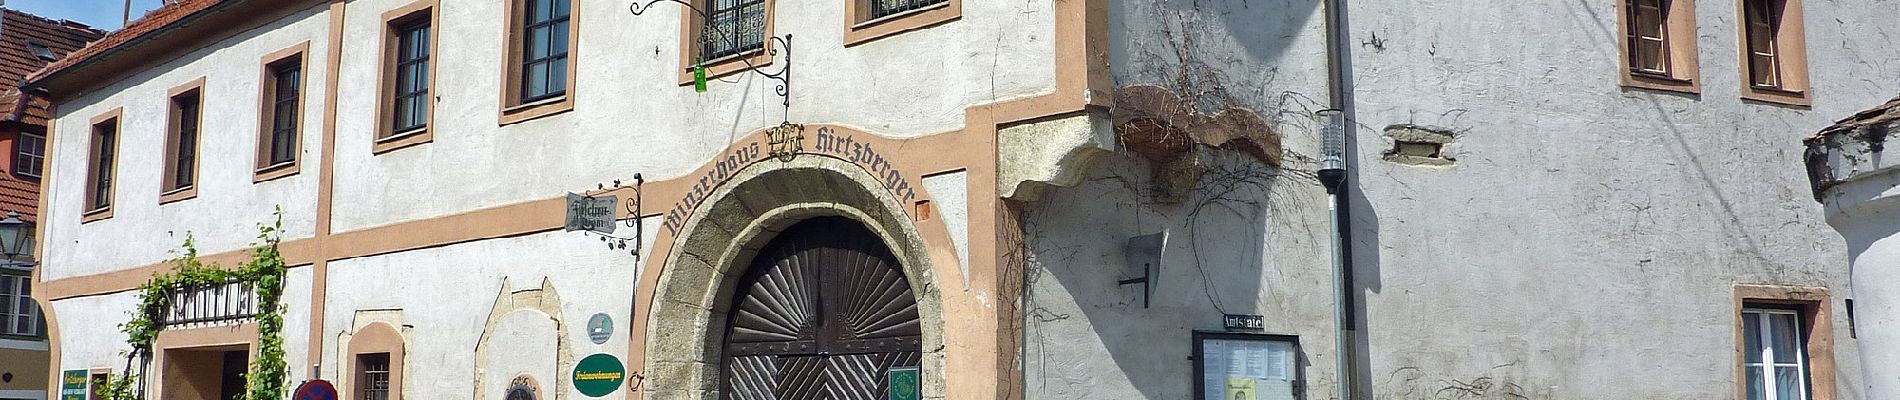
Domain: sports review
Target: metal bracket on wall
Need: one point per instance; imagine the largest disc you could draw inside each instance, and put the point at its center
(772, 50)
(631, 221)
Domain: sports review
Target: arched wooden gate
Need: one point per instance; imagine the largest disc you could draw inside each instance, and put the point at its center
(823, 313)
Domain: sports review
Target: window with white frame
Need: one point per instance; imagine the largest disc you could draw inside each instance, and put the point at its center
(18, 314)
(1774, 358)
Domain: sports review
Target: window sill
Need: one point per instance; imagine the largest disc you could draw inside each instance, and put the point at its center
(274, 171)
(184, 193)
(401, 140)
(728, 65)
(29, 338)
(862, 32)
(96, 214)
(1777, 96)
(1633, 79)
(900, 15)
(536, 109)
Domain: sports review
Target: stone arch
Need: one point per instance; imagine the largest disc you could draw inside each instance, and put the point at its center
(374, 337)
(718, 241)
(533, 303)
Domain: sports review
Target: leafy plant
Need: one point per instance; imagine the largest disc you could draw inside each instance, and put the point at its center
(263, 274)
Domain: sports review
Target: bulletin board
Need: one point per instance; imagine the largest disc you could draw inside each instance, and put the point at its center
(1243, 366)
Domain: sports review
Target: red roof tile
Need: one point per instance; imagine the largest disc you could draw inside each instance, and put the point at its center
(151, 22)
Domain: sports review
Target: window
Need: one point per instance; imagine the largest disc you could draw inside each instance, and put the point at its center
(733, 27)
(100, 171)
(181, 142)
(1772, 354)
(412, 77)
(1649, 44)
(408, 77)
(544, 66)
(18, 314)
(40, 50)
(873, 19)
(1774, 66)
(29, 154)
(1784, 343)
(373, 376)
(885, 8)
(377, 349)
(283, 111)
(1659, 44)
(280, 113)
(538, 68)
(728, 38)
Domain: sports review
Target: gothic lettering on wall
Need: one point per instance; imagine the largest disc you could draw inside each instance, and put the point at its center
(783, 144)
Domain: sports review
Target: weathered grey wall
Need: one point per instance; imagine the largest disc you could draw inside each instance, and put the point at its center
(1584, 244)
(1248, 239)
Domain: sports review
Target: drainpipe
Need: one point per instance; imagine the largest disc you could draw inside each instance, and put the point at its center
(1335, 140)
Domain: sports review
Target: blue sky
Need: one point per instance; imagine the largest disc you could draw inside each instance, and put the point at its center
(102, 14)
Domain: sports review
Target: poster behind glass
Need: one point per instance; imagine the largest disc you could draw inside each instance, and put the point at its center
(1246, 369)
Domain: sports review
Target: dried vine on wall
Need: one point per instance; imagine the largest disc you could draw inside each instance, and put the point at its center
(263, 274)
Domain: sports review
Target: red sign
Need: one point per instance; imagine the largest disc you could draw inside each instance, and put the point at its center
(315, 390)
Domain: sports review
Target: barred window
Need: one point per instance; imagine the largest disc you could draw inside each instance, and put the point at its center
(734, 27)
(884, 8)
(373, 380)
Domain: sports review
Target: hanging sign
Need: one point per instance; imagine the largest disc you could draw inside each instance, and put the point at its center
(904, 383)
(590, 213)
(598, 374)
(600, 328)
(72, 385)
(315, 390)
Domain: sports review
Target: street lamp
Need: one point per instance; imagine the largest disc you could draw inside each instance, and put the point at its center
(13, 235)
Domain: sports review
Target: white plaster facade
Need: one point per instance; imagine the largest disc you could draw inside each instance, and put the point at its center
(1585, 244)
(630, 117)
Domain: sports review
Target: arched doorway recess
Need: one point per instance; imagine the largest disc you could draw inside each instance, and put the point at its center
(824, 312)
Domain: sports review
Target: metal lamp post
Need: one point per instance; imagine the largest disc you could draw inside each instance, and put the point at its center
(1332, 174)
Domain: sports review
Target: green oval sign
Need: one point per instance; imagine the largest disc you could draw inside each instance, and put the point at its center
(599, 374)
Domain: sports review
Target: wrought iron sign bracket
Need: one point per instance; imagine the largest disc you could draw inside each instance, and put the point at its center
(632, 220)
(772, 50)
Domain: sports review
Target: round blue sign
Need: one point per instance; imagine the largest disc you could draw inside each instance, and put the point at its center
(315, 390)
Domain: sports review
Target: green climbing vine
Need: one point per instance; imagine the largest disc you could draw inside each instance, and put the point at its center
(263, 274)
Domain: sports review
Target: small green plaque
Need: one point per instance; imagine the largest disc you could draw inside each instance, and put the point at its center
(904, 383)
(699, 78)
(72, 385)
(599, 374)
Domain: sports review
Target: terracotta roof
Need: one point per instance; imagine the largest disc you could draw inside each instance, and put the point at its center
(151, 22)
(23, 39)
(20, 33)
(1884, 113)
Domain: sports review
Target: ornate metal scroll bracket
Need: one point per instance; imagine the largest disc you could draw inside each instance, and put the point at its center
(777, 45)
(632, 220)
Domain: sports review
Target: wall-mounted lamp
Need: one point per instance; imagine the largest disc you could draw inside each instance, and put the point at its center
(1144, 252)
(14, 234)
(1332, 149)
